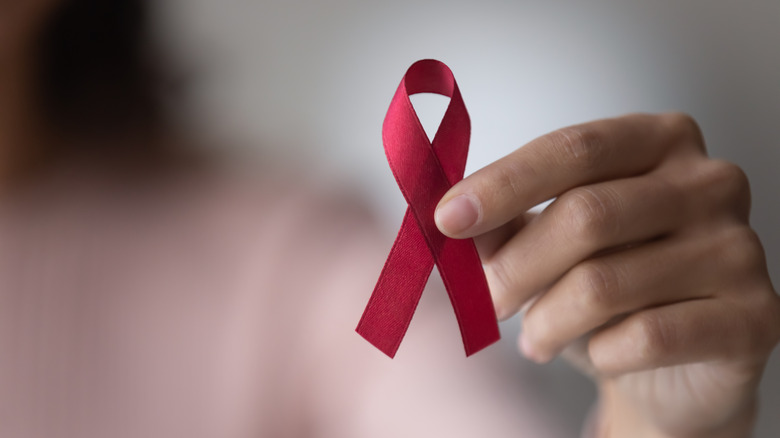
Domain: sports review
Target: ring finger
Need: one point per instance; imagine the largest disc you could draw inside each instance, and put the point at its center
(670, 270)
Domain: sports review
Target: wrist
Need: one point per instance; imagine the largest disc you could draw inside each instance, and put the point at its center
(618, 418)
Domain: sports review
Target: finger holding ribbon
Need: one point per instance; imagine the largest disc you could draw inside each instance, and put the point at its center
(646, 255)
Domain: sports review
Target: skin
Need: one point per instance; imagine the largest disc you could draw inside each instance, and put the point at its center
(644, 271)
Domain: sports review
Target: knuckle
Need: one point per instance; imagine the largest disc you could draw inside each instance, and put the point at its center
(511, 177)
(756, 307)
(731, 183)
(742, 253)
(770, 325)
(589, 214)
(760, 329)
(684, 127)
(731, 175)
(581, 147)
(597, 284)
(652, 338)
(772, 319)
(750, 247)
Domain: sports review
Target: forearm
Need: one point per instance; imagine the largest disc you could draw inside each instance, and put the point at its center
(618, 419)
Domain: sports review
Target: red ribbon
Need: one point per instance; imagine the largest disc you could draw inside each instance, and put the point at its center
(425, 171)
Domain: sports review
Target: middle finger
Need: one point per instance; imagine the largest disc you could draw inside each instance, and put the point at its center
(578, 224)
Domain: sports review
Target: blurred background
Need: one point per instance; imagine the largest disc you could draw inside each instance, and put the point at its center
(312, 79)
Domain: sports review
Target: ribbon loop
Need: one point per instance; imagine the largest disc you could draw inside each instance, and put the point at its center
(424, 171)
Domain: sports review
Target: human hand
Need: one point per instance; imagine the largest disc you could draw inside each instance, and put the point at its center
(645, 260)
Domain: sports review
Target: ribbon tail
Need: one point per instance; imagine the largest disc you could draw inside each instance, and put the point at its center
(463, 277)
(398, 290)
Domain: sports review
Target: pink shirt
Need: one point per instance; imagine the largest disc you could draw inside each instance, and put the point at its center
(216, 306)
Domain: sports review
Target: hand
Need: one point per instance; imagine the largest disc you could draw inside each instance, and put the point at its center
(644, 269)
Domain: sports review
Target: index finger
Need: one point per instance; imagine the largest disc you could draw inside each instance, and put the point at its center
(557, 162)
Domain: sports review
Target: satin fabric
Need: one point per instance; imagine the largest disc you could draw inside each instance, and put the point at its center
(425, 171)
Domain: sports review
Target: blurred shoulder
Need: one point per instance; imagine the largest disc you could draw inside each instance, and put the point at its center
(219, 204)
(285, 199)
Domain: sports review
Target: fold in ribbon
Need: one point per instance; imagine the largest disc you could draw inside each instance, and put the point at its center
(425, 171)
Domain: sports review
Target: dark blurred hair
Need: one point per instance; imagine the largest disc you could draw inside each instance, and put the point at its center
(97, 75)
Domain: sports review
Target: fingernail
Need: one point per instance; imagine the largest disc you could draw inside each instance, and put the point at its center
(526, 349)
(529, 352)
(501, 313)
(458, 214)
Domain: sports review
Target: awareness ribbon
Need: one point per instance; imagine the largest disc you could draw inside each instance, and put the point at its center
(424, 172)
